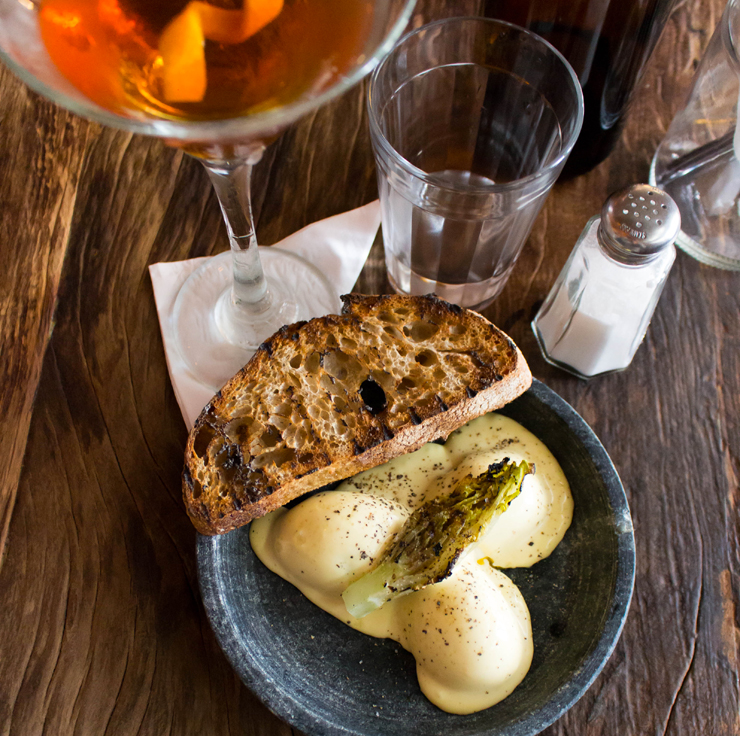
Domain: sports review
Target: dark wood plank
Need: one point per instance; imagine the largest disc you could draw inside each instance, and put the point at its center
(108, 584)
(39, 167)
(293, 185)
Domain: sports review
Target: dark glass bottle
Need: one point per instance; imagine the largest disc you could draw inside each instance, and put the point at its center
(607, 42)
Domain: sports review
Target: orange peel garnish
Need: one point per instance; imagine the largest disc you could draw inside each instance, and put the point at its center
(183, 57)
(182, 42)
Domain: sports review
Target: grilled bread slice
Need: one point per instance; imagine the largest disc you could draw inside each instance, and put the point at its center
(325, 399)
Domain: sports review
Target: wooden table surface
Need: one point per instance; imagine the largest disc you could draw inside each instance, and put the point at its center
(103, 630)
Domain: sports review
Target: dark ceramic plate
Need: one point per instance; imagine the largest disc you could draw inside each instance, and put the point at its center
(325, 678)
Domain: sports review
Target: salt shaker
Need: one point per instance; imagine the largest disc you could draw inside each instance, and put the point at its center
(599, 308)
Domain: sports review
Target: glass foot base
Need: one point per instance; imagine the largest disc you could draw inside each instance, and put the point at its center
(704, 253)
(216, 339)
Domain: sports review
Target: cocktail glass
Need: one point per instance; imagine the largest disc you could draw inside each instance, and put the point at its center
(225, 309)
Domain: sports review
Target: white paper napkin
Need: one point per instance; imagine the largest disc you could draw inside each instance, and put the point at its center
(339, 246)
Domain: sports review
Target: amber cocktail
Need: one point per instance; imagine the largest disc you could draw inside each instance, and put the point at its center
(202, 60)
(220, 79)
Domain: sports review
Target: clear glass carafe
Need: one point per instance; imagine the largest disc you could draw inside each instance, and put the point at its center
(698, 160)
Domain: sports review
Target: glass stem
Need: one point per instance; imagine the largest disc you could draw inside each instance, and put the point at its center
(231, 180)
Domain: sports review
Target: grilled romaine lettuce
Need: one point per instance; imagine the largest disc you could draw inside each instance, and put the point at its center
(435, 536)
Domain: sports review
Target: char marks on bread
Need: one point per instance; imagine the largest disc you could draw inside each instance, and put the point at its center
(325, 399)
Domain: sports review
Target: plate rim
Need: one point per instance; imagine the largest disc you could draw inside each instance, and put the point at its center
(279, 701)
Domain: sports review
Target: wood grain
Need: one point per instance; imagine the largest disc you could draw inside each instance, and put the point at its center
(104, 629)
(38, 176)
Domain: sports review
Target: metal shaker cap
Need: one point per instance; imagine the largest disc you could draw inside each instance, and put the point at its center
(639, 221)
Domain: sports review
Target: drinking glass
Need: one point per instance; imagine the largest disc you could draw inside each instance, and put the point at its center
(225, 310)
(698, 160)
(471, 122)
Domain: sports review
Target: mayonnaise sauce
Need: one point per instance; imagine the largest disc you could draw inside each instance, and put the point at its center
(470, 634)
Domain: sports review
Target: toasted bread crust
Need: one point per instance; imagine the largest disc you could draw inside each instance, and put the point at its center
(325, 399)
